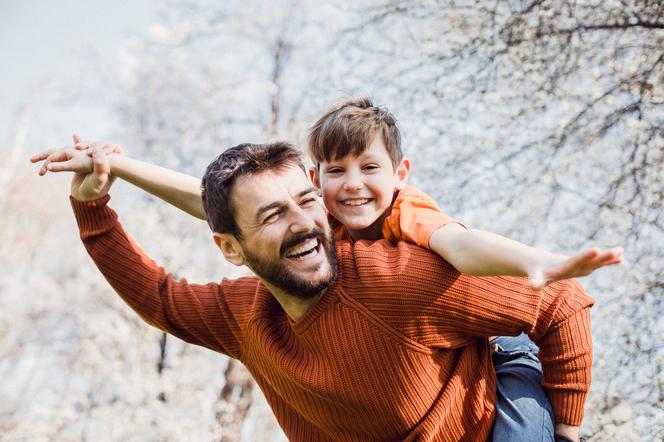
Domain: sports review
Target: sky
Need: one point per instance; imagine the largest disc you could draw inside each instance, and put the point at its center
(47, 41)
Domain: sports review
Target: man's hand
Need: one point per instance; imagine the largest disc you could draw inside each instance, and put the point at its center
(581, 264)
(96, 184)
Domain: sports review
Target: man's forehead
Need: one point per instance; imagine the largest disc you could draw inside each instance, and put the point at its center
(251, 192)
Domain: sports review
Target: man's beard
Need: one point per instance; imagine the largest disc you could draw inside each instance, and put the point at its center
(277, 273)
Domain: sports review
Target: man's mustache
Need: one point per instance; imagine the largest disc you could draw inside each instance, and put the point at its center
(297, 239)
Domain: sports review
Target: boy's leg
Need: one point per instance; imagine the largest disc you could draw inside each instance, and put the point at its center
(523, 410)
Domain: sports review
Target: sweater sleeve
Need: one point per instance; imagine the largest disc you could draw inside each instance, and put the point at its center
(557, 319)
(414, 217)
(448, 310)
(195, 313)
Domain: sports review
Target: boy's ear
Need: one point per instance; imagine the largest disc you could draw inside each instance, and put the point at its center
(314, 177)
(230, 247)
(401, 174)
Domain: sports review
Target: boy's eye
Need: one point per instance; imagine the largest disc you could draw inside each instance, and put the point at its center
(371, 167)
(334, 170)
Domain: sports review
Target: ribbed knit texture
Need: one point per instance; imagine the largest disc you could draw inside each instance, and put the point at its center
(395, 350)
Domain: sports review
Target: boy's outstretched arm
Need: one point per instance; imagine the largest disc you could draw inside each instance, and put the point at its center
(480, 253)
(181, 190)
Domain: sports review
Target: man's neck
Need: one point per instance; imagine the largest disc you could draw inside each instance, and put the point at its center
(295, 307)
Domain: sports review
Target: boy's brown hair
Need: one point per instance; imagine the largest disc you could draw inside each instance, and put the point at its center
(348, 129)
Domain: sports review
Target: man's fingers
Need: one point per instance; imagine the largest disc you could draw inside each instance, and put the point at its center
(101, 168)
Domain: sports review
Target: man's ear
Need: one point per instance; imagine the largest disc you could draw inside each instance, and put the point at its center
(230, 247)
(315, 178)
(401, 174)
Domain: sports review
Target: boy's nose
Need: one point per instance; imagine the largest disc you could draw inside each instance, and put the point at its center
(353, 182)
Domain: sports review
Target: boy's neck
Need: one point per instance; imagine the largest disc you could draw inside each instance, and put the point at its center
(372, 233)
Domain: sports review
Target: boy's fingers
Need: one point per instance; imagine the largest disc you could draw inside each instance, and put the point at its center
(61, 166)
(582, 258)
(537, 280)
(45, 154)
(40, 156)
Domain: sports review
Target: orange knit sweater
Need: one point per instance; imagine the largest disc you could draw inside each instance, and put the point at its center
(395, 350)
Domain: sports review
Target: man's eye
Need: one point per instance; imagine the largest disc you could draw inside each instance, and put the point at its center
(308, 202)
(272, 217)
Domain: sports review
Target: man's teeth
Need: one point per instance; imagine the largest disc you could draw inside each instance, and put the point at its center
(303, 249)
(356, 202)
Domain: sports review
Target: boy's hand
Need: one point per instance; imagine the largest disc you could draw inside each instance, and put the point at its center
(88, 146)
(66, 159)
(581, 264)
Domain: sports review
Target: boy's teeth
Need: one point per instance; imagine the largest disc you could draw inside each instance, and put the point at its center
(357, 202)
(306, 246)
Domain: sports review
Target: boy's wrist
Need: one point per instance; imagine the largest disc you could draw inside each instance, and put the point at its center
(566, 433)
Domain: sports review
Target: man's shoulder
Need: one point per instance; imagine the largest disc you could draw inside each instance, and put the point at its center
(247, 297)
(390, 263)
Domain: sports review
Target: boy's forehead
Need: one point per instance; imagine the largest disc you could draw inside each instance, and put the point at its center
(375, 148)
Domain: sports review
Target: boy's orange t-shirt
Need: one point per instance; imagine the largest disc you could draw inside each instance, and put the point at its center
(413, 218)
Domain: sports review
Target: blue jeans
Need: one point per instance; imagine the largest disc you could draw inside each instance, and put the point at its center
(523, 410)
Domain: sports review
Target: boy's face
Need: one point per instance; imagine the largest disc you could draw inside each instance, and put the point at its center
(358, 190)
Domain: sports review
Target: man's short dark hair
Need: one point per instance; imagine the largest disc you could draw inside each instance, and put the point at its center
(222, 173)
(349, 128)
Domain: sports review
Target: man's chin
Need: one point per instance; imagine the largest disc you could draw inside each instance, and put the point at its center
(302, 279)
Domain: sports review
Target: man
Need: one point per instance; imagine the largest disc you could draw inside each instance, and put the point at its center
(388, 343)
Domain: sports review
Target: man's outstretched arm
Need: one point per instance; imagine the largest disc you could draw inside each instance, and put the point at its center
(195, 313)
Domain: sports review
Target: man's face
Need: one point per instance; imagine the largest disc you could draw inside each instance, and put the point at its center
(286, 238)
(358, 190)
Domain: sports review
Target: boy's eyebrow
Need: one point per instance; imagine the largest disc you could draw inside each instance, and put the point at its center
(269, 206)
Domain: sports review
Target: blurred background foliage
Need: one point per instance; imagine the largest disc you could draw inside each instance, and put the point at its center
(539, 120)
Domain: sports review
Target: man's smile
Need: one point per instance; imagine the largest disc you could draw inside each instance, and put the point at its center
(305, 250)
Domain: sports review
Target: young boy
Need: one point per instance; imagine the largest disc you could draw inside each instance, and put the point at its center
(361, 173)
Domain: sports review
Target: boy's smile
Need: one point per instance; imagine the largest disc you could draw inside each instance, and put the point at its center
(358, 190)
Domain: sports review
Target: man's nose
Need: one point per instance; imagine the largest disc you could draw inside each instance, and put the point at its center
(301, 221)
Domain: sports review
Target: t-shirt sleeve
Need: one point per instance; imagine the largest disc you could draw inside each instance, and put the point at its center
(414, 217)
(196, 313)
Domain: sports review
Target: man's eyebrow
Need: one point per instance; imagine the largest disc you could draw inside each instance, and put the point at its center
(304, 192)
(264, 208)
